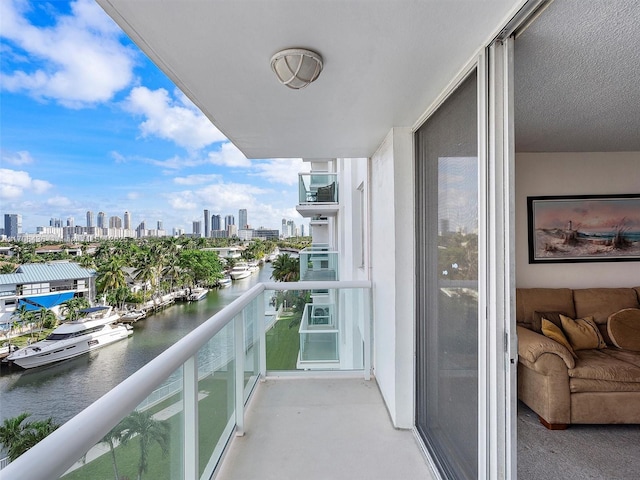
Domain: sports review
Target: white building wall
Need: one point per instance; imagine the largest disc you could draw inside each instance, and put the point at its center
(585, 173)
(392, 271)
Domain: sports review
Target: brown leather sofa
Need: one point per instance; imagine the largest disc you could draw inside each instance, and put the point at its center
(596, 386)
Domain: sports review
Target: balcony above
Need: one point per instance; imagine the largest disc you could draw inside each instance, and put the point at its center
(318, 194)
(319, 428)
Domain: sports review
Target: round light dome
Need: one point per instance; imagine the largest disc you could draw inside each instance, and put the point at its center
(296, 67)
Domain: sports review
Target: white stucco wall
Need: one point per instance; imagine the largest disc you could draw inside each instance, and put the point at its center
(590, 173)
(392, 272)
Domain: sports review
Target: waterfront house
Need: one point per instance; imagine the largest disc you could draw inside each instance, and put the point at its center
(37, 285)
(438, 119)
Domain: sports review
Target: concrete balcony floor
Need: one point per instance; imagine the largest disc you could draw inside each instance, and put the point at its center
(319, 429)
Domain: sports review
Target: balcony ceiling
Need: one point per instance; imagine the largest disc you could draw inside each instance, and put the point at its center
(384, 63)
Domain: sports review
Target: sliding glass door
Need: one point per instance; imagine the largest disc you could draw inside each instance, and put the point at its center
(447, 284)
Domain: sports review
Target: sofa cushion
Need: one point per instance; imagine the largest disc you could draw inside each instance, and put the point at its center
(599, 365)
(530, 300)
(602, 302)
(552, 331)
(624, 329)
(582, 333)
(579, 385)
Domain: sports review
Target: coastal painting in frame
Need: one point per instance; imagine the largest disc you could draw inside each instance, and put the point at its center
(585, 228)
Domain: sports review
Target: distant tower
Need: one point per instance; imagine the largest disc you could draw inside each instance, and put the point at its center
(284, 228)
(70, 222)
(302, 230)
(215, 222)
(115, 222)
(101, 220)
(89, 219)
(197, 226)
(127, 220)
(207, 229)
(242, 218)
(229, 220)
(160, 225)
(12, 224)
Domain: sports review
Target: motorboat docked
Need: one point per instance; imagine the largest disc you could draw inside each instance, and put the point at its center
(224, 281)
(253, 267)
(7, 349)
(95, 328)
(197, 294)
(133, 316)
(240, 270)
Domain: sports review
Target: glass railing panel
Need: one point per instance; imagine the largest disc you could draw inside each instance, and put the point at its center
(318, 265)
(312, 332)
(146, 443)
(317, 188)
(253, 315)
(216, 394)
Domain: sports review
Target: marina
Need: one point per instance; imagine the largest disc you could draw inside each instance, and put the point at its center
(63, 389)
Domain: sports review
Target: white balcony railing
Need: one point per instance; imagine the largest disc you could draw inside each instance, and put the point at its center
(317, 263)
(197, 389)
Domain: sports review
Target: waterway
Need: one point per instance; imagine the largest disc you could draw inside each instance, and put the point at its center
(64, 389)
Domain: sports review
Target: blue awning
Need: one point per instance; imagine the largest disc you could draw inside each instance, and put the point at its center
(45, 301)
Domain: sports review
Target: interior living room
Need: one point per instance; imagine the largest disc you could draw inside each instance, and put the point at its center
(576, 133)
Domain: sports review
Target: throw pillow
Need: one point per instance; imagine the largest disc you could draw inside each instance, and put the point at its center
(553, 317)
(554, 332)
(624, 329)
(583, 333)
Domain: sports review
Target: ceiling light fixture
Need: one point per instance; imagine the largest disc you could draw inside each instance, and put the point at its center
(296, 67)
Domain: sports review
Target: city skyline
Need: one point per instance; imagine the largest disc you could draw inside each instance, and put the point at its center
(114, 134)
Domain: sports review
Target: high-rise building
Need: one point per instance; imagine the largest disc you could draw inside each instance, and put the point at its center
(89, 219)
(242, 218)
(70, 222)
(55, 222)
(197, 228)
(215, 222)
(12, 224)
(207, 231)
(102, 220)
(229, 220)
(159, 224)
(284, 228)
(115, 222)
(127, 220)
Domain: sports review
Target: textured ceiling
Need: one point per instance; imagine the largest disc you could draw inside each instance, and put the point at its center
(577, 78)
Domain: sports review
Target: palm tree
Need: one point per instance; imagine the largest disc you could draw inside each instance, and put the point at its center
(286, 268)
(71, 308)
(148, 430)
(112, 438)
(146, 272)
(18, 437)
(23, 315)
(111, 276)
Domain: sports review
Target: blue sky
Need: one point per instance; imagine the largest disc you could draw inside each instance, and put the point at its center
(87, 122)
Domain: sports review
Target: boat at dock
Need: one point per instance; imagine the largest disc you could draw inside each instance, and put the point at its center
(197, 294)
(133, 316)
(7, 349)
(240, 270)
(224, 282)
(95, 328)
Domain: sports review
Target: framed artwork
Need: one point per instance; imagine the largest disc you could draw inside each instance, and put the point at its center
(584, 228)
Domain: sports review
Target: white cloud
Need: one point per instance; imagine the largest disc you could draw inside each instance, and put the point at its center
(228, 155)
(133, 195)
(197, 179)
(78, 61)
(17, 158)
(118, 157)
(59, 201)
(281, 170)
(182, 201)
(178, 120)
(14, 183)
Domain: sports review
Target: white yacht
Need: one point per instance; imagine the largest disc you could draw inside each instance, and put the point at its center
(96, 328)
(240, 270)
(224, 281)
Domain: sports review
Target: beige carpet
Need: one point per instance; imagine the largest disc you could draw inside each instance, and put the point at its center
(582, 452)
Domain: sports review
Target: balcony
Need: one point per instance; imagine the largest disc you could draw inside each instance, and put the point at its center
(318, 263)
(204, 390)
(317, 194)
